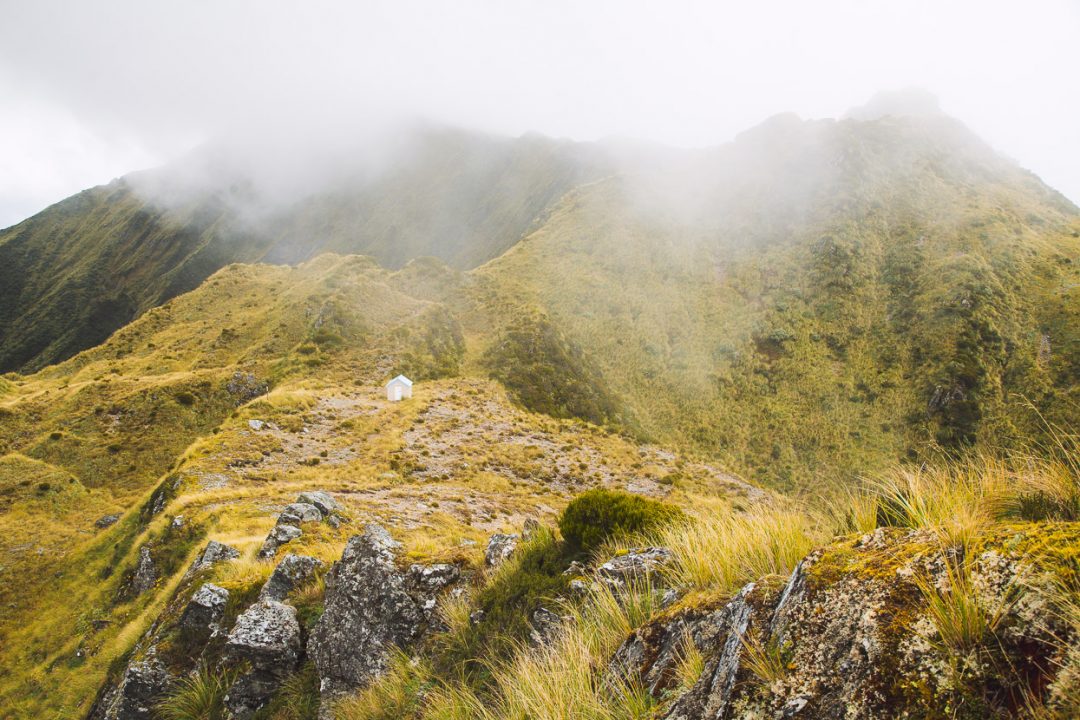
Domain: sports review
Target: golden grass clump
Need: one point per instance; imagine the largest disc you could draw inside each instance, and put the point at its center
(199, 696)
(724, 552)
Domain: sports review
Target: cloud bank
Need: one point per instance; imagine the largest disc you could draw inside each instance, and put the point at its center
(92, 90)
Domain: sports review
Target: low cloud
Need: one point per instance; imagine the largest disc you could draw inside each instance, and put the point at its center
(91, 90)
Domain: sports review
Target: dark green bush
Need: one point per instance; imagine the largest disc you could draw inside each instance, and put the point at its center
(596, 515)
(185, 398)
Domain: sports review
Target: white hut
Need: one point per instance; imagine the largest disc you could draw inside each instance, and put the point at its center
(399, 388)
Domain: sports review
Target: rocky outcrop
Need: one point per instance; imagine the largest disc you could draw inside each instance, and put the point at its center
(213, 553)
(849, 635)
(266, 641)
(245, 387)
(292, 572)
(499, 548)
(202, 615)
(544, 626)
(649, 658)
(144, 683)
(106, 521)
(325, 503)
(312, 506)
(298, 513)
(145, 573)
(634, 563)
(371, 607)
(278, 536)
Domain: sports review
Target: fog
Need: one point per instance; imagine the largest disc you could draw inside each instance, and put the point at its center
(93, 90)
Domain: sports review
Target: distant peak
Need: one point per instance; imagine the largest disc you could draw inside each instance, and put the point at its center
(909, 101)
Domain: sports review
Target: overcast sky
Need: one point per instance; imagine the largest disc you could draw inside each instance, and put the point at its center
(90, 90)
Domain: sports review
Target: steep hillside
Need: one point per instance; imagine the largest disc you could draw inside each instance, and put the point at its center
(86, 266)
(863, 290)
(218, 408)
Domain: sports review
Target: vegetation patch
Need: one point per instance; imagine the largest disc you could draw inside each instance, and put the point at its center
(600, 514)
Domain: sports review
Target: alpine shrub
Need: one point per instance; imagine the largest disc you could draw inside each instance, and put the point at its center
(596, 515)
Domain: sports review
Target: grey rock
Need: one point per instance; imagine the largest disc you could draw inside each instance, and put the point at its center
(292, 572)
(256, 425)
(636, 562)
(529, 529)
(280, 535)
(545, 626)
(371, 607)
(245, 387)
(297, 513)
(320, 499)
(266, 641)
(499, 548)
(476, 617)
(711, 696)
(213, 553)
(430, 579)
(650, 657)
(144, 683)
(106, 521)
(669, 598)
(575, 569)
(145, 573)
(579, 587)
(202, 615)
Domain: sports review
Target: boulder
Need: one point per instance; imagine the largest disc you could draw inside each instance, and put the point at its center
(499, 548)
(292, 572)
(265, 641)
(145, 573)
(426, 582)
(544, 626)
(280, 535)
(202, 615)
(213, 553)
(106, 521)
(371, 607)
(144, 683)
(636, 562)
(320, 499)
(575, 569)
(297, 513)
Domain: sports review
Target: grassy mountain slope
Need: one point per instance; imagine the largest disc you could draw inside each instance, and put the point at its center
(86, 266)
(920, 291)
(159, 417)
(813, 302)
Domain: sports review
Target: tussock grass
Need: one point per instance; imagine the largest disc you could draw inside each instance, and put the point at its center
(766, 660)
(956, 501)
(959, 498)
(691, 663)
(725, 552)
(396, 695)
(199, 696)
(963, 622)
(560, 680)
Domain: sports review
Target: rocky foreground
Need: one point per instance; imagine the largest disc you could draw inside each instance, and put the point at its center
(870, 626)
